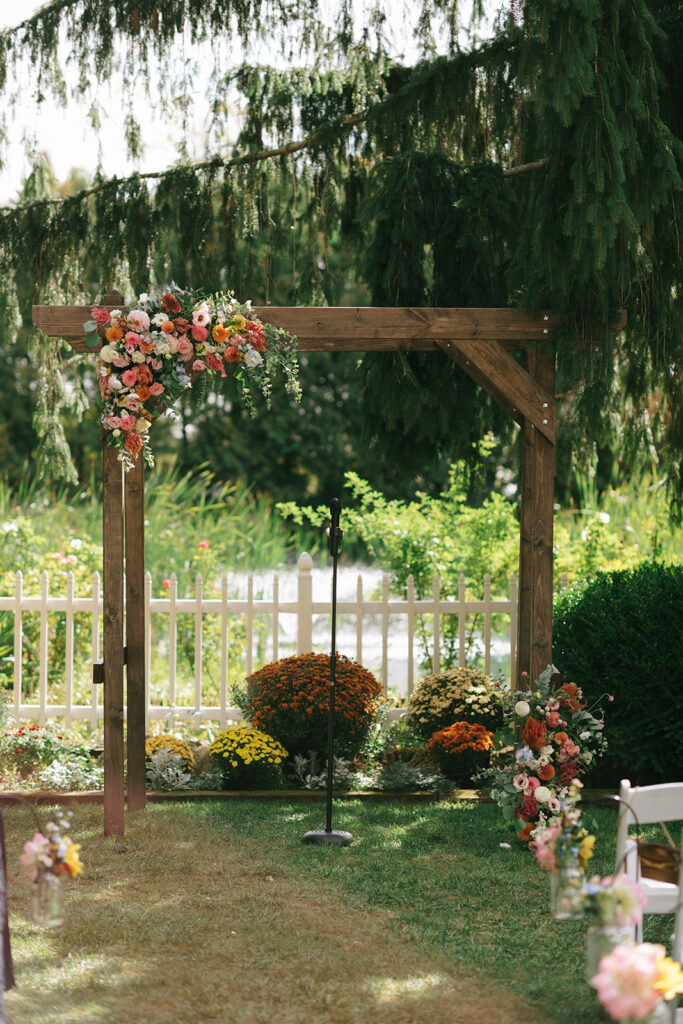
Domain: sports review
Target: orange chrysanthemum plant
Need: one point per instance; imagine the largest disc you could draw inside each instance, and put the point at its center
(461, 749)
(289, 699)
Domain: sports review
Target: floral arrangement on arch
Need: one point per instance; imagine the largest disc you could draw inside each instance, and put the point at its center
(548, 740)
(155, 352)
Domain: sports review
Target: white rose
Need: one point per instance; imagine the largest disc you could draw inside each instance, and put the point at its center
(115, 384)
(546, 751)
(522, 708)
(584, 736)
(542, 794)
(107, 353)
(115, 313)
(588, 757)
(161, 348)
(138, 357)
(116, 433)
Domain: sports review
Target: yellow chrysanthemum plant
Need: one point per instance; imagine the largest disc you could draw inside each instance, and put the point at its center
(153, 744)
(455, 695)
(248, 758)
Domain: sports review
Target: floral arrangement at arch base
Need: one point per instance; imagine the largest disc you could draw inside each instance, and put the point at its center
(155, 352)
(548, 740)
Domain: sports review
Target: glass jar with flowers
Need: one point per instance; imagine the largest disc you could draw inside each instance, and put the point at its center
(48, 861)
(614, 906)
(563, 847)
(638, 983)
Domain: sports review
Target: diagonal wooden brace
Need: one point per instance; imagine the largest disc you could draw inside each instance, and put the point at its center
(516, 391)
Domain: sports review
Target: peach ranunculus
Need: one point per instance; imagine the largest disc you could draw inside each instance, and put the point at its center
(219, 334)
(168, 327)
(185, 348)
(199, 332)
(231, 354)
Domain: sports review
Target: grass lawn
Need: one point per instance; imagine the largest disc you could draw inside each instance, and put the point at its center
(216, 912)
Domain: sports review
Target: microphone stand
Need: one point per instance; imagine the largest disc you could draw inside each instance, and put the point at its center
(329, 836)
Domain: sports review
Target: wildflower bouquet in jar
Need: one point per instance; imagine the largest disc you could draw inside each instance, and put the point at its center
(48, 860)
(549, 738)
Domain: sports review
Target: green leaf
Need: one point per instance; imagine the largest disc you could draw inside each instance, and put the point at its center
(92, 340)
(90, 326)
(508, 812)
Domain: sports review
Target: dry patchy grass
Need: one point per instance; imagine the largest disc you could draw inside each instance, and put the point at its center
(184, 922)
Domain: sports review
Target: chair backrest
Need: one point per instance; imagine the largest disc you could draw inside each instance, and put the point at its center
(678, 929)
(644, 805)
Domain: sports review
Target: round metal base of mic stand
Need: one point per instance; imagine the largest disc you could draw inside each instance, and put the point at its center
(333, 837)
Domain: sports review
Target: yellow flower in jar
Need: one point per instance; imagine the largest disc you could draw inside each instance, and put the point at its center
(72, 860)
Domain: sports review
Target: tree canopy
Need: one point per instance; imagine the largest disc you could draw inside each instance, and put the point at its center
(540, 168)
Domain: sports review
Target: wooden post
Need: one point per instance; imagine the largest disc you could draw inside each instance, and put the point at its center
(112, 564)
(135, 633)
(535, 627)
(526, 527)
(543, 368)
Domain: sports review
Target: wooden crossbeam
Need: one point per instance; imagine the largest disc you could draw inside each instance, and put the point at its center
(352, 328)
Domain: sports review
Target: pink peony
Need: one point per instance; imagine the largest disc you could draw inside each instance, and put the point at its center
(127, 422)
(185, 348)
(199, 333)
(129, 378)
(200, 318)
(113, 422)
(139, 319)
(625, 980)
(156, 388)
(100, 315)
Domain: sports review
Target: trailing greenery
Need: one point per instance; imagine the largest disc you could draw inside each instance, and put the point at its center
(621, 633)
(346, 159)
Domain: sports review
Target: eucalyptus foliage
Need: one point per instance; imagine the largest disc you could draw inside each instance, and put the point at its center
(540, 169)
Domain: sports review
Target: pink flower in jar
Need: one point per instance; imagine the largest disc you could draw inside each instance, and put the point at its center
(129, 378)
(199, 333)
(203, 544)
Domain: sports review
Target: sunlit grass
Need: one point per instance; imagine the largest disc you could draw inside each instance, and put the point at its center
(217, 912)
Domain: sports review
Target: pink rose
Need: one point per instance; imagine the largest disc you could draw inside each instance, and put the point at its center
(129, 378)
(120, 360)
(127, 422)
(157, 389)
(198, 365)
(100, 315)
(185, 348)
(113, 422)
(139, 319)
(132, 403)
(199, 333)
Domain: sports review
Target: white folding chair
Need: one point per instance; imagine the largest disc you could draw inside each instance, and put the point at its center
(678, 932)
(645, 805)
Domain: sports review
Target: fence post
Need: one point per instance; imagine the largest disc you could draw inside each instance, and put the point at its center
(304, 610)
(18, 645)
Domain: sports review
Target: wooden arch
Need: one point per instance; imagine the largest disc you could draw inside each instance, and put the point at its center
(479, 340)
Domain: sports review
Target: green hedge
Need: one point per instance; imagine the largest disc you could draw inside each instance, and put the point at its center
(622, 633)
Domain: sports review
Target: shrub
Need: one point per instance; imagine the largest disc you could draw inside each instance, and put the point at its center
(167, 771)
(461, 749)
(457, 695)
(399, 776)
(248, 758)
(621, 633)
(154, 744)
(289, 699)
(28, 747)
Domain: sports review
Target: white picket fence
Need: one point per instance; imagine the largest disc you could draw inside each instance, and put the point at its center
(311, 614)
